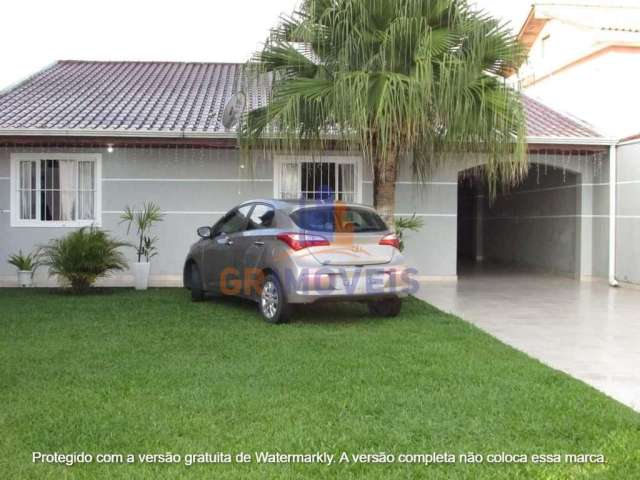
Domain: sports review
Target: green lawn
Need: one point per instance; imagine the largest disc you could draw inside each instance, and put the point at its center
(150, 372)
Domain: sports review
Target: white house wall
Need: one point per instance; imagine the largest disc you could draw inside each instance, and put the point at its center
(601, 91)
(194, 187)
(628, 221)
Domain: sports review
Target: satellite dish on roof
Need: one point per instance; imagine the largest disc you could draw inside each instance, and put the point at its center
(233, 110)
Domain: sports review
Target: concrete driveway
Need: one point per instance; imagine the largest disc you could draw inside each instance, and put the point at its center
(586, 329)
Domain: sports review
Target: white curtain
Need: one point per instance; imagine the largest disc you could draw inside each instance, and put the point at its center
(27, 190)
(347, 187)
(86, 188)
(67, 172)
(289, 180)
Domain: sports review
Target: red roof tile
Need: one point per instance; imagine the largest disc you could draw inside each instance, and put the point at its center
(166, 97)
(543, 121)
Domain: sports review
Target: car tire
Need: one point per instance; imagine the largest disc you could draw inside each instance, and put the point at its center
(197, 293)
(387, 307)
(272, 302)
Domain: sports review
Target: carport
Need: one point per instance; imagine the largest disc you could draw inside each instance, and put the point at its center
(519, 255)
(535, 225)
(554, 221)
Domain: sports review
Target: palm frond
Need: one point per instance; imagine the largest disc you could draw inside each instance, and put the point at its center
(392, 76)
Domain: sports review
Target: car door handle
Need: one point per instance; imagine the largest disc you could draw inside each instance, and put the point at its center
(228, 241)
(258, 243)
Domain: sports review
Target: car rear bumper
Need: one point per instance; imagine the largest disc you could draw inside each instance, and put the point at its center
(348, 284)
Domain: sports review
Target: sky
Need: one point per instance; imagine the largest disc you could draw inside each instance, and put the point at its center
(36, 33)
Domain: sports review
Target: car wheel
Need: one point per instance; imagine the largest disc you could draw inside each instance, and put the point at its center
(387, 307)
(273, 302)
(197, 293)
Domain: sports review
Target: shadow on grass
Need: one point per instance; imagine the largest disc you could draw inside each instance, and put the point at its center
(68, 292)
(332, 312)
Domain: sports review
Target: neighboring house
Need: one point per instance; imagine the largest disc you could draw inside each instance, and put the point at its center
(80, 140)
(585, 59)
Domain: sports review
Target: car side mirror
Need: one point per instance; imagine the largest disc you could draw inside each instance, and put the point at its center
(205, 232)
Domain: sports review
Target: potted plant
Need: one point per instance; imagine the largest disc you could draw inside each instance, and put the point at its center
(26, 265)
(404, 224)
(143, 220)
(82, 256)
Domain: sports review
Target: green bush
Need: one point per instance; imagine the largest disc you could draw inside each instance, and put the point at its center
(81, 257)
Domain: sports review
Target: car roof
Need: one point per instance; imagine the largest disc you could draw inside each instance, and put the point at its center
(291, 205)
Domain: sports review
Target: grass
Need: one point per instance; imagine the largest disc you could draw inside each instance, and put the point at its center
(150, 372)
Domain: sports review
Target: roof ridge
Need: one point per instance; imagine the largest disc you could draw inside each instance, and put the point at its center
(584, 5)
(165, 62)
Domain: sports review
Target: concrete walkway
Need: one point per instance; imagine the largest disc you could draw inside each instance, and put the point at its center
(586, 329)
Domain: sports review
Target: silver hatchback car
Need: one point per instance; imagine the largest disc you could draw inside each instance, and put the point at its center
(284, 252)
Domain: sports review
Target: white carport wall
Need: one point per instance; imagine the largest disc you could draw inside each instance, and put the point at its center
(612, 144)
(613, 183)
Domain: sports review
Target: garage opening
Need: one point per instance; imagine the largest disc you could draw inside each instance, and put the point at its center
(532, 226)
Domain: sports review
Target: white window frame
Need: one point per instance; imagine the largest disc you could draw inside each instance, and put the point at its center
(16, 158)
(278, 161)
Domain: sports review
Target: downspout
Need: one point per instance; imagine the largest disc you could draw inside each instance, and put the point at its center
(613, 182)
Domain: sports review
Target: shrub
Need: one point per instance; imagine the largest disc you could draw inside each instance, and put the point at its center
(26, 263)
(83, 256)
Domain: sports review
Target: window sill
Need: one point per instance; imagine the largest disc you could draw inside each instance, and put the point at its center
(40, 224)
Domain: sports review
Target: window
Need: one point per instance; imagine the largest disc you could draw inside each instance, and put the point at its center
(55, 189)
(339, 219)
(261, 217)
(544, 45)
(234, 222)
(328, 178)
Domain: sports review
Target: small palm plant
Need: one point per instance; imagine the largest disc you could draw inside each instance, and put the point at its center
(26, 265)
(143, 220)
(81, 257)
(404, 224)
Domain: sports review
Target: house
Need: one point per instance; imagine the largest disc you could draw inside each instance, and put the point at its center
(585, 59)
(80, 140)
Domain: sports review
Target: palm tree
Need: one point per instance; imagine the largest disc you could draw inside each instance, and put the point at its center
(392, 78)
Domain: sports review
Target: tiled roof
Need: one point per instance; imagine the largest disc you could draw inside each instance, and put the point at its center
(126, 97)
(164, 98)
(543, 121)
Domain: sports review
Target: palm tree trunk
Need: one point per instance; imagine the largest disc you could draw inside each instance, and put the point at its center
(385, 173)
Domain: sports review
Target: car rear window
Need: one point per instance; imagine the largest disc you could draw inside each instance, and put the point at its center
(338, 219)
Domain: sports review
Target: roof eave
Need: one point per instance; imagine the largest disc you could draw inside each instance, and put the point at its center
(46, 132)
(31, 132)
(531, 28)
(571, 141)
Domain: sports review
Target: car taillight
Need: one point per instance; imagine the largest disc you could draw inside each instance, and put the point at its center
(298, 241)
(391, 240)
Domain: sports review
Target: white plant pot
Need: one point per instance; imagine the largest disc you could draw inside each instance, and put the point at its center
(141, 275)
(25, 279)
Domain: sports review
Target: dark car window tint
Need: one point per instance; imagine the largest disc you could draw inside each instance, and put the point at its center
(261, 217)
(338, 219)
(234, 222)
